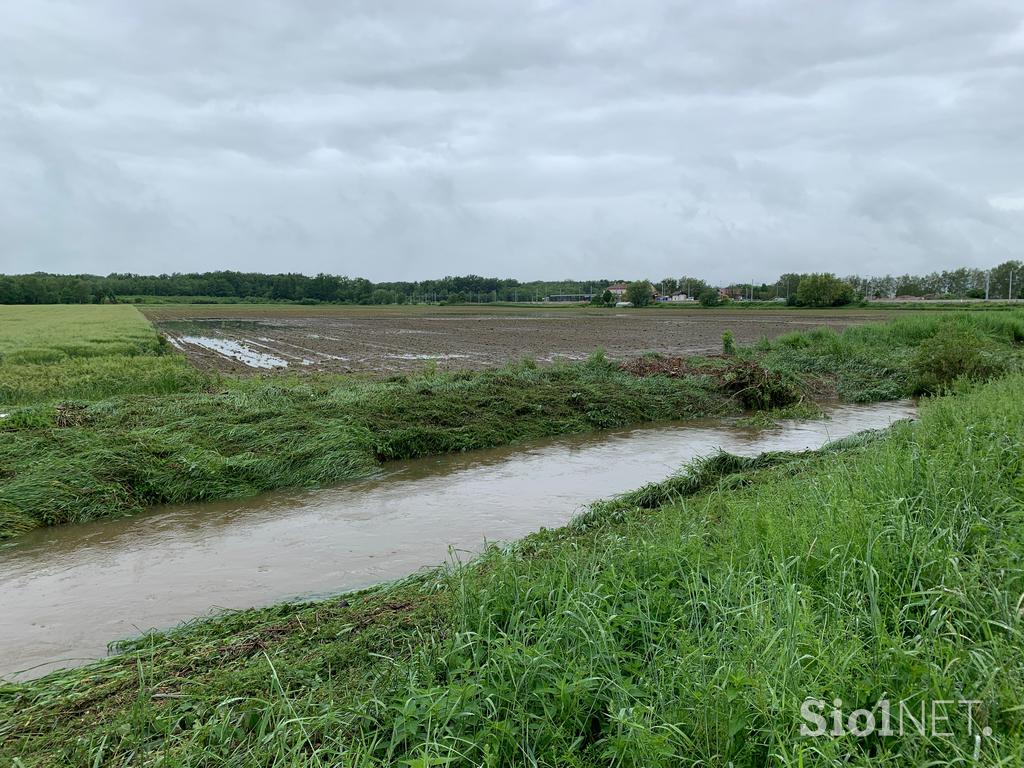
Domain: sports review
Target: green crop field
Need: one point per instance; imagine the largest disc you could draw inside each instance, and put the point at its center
(83, 352)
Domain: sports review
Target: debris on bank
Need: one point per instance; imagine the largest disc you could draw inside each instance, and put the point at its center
(755, 386)
(674, 367)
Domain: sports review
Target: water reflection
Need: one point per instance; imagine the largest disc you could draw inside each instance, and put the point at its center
(66, 592)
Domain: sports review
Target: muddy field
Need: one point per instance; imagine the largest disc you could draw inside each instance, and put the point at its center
(250, 339)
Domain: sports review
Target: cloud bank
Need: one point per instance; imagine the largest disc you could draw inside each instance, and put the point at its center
(404, 140)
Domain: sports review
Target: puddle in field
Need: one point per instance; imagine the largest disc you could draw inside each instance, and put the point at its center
(233, 350)
(255, 351)
(426, 357)
(66, 592)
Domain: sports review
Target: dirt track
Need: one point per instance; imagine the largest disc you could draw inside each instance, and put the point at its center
(244, 339)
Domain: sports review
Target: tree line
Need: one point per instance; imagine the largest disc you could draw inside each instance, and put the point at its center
(1001, 282)
(46, 288)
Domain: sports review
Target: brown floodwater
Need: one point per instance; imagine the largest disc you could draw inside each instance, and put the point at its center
(66, 592)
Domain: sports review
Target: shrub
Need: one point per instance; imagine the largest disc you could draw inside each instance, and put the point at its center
(947, 357)
(709, 298)
(728, 343)
(639, 293)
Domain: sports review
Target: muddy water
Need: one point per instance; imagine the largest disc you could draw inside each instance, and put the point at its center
(66, 592)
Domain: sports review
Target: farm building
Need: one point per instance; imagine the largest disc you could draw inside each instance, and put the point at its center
(568, 297)
(618, 289)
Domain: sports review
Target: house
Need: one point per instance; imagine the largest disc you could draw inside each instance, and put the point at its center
(618, 290)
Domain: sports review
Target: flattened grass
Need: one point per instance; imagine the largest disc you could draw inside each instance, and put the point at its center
(115, 456)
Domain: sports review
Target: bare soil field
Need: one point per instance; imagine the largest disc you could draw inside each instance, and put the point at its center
(249, 339)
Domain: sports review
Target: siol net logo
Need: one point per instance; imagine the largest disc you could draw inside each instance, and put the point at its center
(936, 718)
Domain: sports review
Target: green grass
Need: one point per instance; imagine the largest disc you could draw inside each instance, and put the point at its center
(116, 422)
(683, 624)
(84, 352)
(877, 361)
(74, 463)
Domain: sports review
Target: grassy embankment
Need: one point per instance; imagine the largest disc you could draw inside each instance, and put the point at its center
(90, 434)
(683, 624)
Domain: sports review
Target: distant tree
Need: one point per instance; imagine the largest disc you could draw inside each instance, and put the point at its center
(709, 297)
(787, 285)
(639, 293)
(823, 290)
(692, 286)
(1000, 279)
(668, 286)
(911, 286)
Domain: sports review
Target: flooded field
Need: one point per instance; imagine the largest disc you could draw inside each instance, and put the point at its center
(66, 592)
(349, 339)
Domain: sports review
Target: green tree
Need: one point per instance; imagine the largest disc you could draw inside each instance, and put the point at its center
(639, 293)
(709, 297)
(823, 290)
(692, 286)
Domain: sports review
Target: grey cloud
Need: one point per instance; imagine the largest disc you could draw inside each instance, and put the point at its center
(400, 140)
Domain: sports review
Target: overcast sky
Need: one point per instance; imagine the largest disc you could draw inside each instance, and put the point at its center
(404, 140)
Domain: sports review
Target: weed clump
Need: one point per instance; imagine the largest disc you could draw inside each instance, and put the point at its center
(746, 381)
(948, 357)
(728, 343)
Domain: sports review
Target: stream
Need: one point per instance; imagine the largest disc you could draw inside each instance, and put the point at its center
(66, 592)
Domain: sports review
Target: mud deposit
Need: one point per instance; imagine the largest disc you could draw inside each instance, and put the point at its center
(339, 339)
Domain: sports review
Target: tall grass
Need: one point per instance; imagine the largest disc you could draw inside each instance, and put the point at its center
(84, 352)
(684, 629)
(877, 361)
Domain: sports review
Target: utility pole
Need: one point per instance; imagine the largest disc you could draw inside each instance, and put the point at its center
(988, 276)
(1009, 293)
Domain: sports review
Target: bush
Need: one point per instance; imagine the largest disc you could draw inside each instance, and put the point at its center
(709, 298)
(728, 343)
(948, 357)
(639, 293)
(823, 290)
